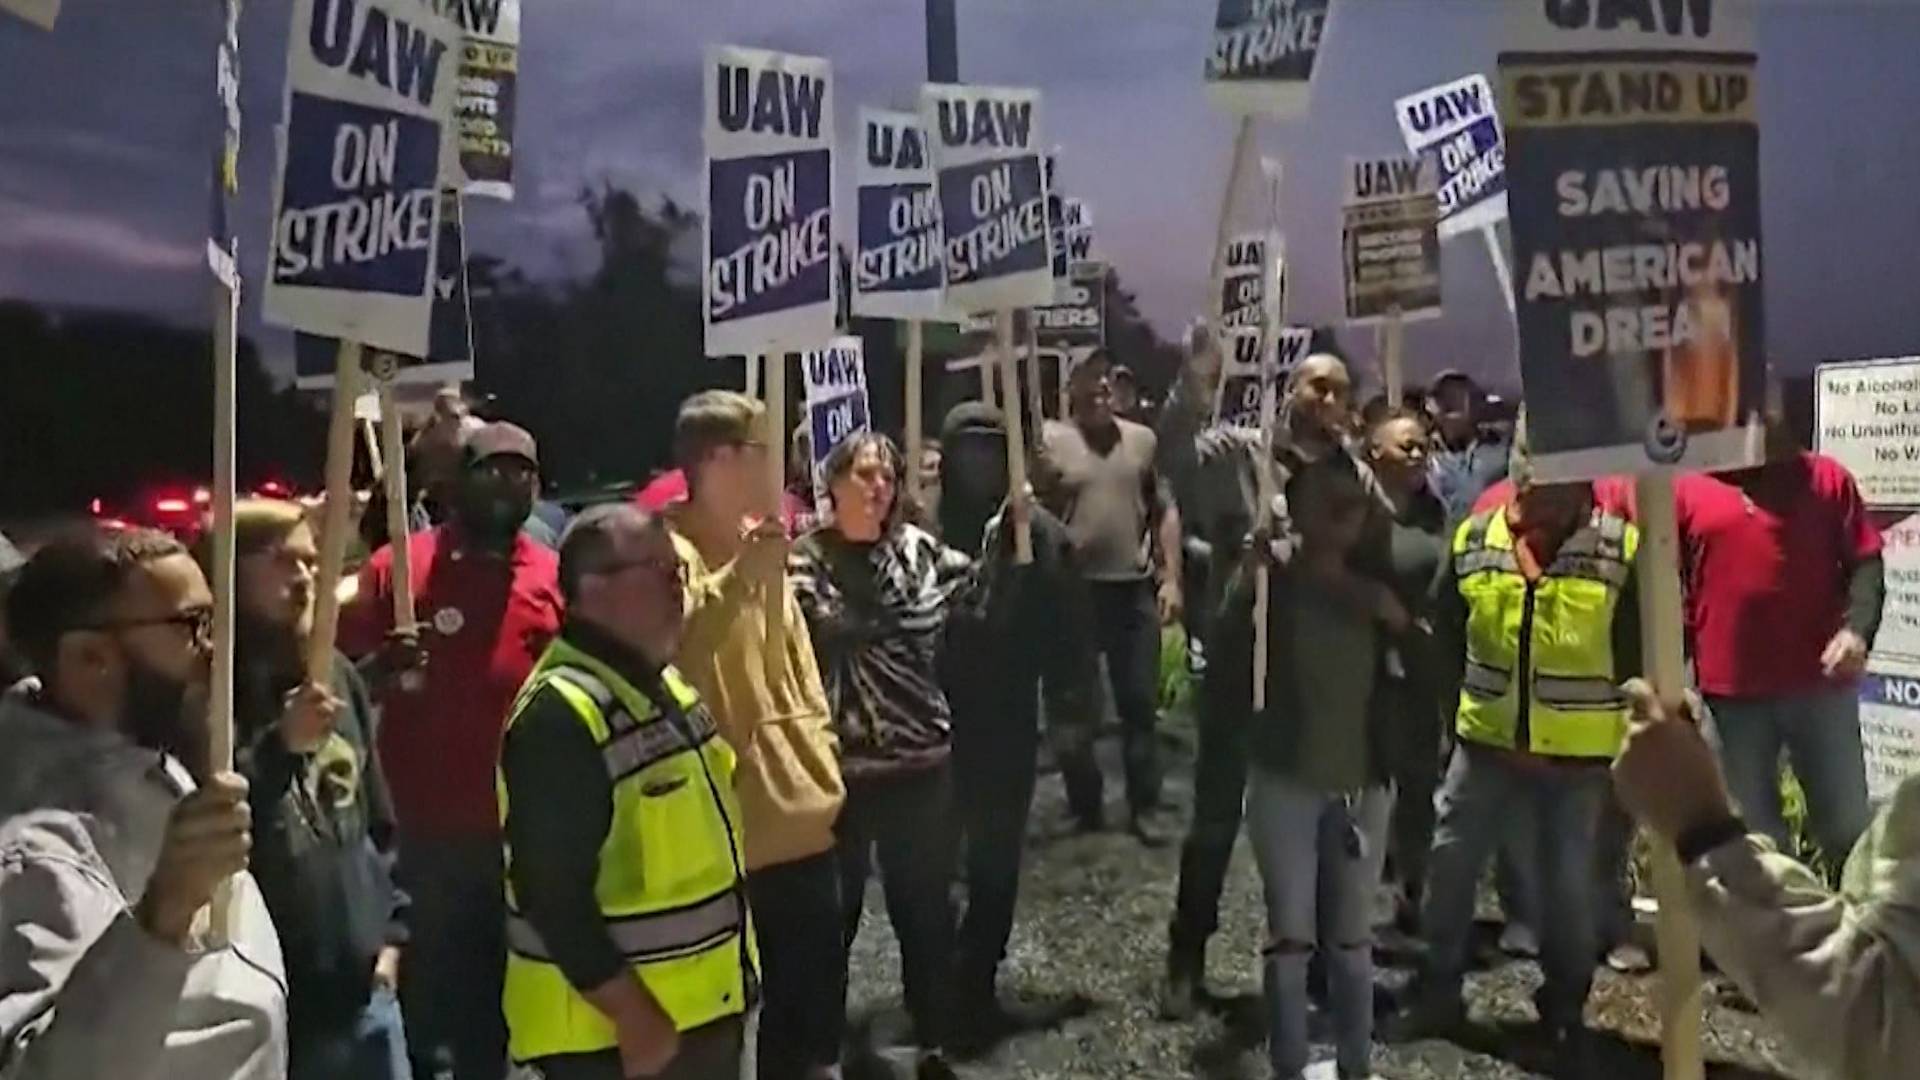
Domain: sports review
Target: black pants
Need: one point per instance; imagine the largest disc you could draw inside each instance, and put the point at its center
(994, 758)
(707, 1053)
(906, 821)
(803, 959)
(1126, 626)
(455, 967)
(1416, 760)
(1219, 786)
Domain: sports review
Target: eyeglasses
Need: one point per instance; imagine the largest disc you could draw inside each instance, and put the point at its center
(197, 622)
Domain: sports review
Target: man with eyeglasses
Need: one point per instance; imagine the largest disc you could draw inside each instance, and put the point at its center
(629, 949)
(115, 833)
(321, 812)
(488, 600)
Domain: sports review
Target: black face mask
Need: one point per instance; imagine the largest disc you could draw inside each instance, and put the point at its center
(492, 513)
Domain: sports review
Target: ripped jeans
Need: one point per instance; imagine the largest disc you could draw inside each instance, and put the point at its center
(1320, 858)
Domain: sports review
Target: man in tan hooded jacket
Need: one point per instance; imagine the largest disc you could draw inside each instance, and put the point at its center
(773, 711)
(1837, 973)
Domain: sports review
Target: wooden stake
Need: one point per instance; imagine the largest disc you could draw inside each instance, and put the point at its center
(753, 377)
(1066, 372)
(1663, 653)
(397, 508)
(337, 519)
(916, 428)
(1016, 440)
(1498, 252)
(989, 391)
(1263, 522)
(1035, 407)
(370, 434)
(773, 379)
(1394, 333)
(226, 318)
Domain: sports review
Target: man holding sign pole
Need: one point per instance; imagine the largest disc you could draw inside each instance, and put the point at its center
(490, 602)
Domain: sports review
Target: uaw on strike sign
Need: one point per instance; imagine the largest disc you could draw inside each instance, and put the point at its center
(1459, 126)
(993, 201)
(835, 379)
(365, 142)
(769, 281)
(899, 270)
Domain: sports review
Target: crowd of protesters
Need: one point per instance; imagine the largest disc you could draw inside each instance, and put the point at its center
(623, 785)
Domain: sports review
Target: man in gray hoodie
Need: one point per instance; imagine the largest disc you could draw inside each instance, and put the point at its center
(114, 834)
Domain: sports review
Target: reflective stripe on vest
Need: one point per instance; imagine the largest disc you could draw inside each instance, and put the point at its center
(669, 880)
(1574, 708)
(656, 935)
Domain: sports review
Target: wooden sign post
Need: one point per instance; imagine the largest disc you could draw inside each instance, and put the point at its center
(916, 426)
(1016, 440)
(336, 516)
(226, 319)
(398, 505)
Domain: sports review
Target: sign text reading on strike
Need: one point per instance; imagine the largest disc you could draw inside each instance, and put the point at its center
(780, 243)
(1002, 223)
(912, 224)
(358, 211)
(1273, 32)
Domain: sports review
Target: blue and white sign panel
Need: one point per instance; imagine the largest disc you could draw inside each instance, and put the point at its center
(1262, 54)
(365, 138)
(836, 394)
(1633, 192)
(449, 355)
(769, 281)
(986, 150)
(1458, 124)
(1249, 369)
(900, 271)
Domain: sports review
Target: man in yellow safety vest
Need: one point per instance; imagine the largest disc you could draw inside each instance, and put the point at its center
(629, 947)
(1536, 614)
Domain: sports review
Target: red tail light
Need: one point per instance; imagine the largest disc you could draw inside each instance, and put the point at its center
(171, 506)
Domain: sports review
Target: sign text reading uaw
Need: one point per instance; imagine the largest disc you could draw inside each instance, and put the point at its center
(370, 90)
(992, 196)
(900, 269)
(769, 242)
(1457, 123)
(1243, 281)
(835, 380)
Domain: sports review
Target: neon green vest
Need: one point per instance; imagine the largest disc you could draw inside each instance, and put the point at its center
(1540, 672)
(670, 883)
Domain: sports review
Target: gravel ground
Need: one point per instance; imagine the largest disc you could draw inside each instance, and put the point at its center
(1091, 929)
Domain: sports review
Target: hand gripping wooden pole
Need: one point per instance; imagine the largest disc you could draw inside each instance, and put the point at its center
(1662, 650)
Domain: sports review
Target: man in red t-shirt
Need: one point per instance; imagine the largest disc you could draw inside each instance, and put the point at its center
(488, 599)
(1783, 589)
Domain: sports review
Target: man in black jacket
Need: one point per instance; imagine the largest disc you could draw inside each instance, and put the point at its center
(1016, 632)
(322, 822)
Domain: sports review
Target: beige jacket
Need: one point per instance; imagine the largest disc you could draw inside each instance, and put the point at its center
(1839, 975)
(771, 710)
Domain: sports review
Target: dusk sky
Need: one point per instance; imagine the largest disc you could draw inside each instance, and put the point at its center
(106, 124)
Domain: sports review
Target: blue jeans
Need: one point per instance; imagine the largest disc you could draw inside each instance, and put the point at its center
(1820, 731)
(1319, 890)
(1482, 791)
(368, 1046)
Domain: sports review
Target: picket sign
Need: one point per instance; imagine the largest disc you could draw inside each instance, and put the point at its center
(41, 13)
(916, 427)
(393, 440)
(1016, 441)
(1685, 383)
(335, 517)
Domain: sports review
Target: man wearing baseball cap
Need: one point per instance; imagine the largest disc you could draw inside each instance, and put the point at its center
(488, 602)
